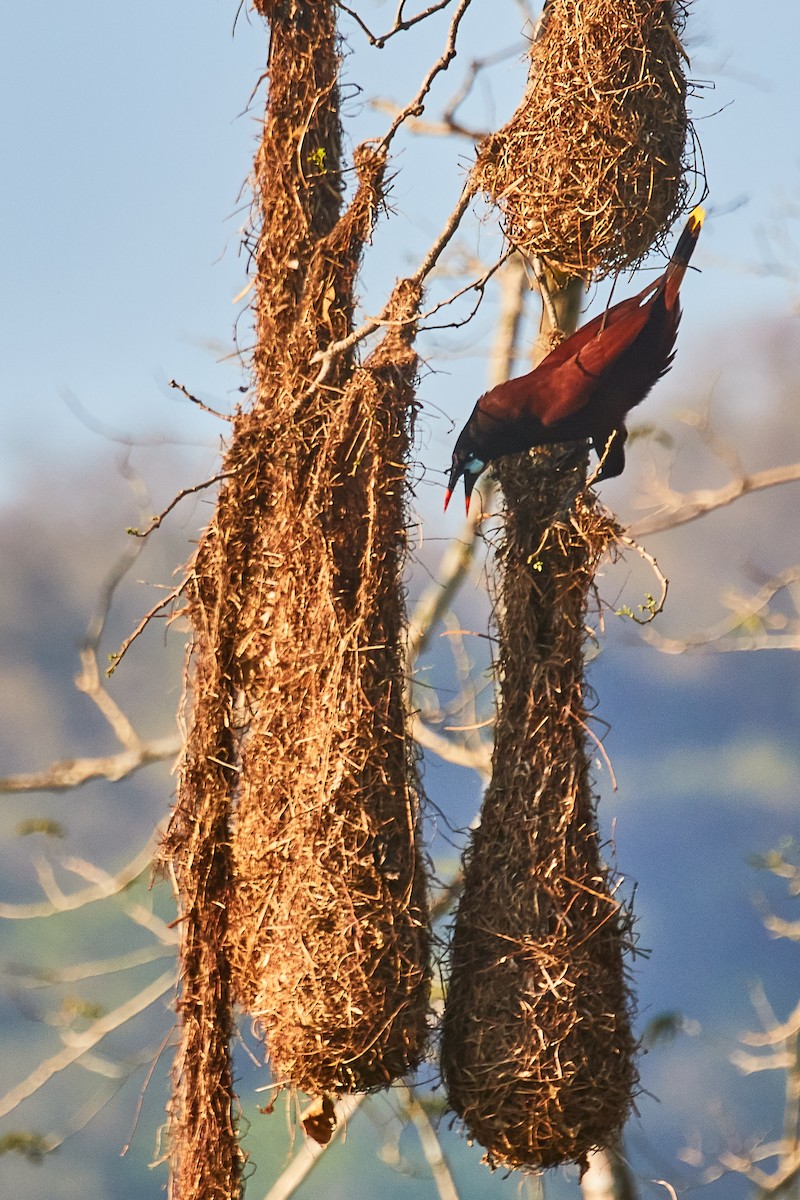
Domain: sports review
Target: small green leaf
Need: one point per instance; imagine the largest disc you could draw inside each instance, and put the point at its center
(40, 825)
(663, 1028)
(32, 1146)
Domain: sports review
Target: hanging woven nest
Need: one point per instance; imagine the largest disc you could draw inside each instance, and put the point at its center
(328, 924)
(592, 168)
(295, 842)
(538, 1054)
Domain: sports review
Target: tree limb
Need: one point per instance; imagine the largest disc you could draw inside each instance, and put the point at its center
(86, 1040)
(682, 507)
(68, 773)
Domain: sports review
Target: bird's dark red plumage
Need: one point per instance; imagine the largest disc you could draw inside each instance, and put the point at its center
(587, 385)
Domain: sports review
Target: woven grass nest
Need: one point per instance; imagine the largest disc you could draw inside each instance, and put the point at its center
(328, 925)
(592, 168)
(328, 935)
(296, 841)
(538, 1053)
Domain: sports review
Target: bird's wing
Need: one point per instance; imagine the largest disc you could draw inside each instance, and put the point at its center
(575, 367)
(604, 320)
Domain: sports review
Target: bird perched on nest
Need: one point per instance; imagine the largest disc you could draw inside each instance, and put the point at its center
(584, 388)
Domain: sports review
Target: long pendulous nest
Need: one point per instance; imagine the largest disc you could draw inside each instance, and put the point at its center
(294, 845)
(538, 1054)
(593, 166)
(328, 926)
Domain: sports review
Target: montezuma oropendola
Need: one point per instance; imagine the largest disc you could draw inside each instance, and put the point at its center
(587, 385)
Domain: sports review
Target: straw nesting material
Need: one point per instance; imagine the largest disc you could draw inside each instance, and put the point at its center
(329, 930)
(592, 168)
(538, 1053)
(295, 686)
(328, 933)
(305, 204)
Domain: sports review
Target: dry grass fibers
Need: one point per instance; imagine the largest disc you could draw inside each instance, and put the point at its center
(329, 932)
(591, 169)
(538, 1053)
(294, 841)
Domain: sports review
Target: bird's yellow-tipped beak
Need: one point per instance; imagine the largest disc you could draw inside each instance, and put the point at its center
(696, 218)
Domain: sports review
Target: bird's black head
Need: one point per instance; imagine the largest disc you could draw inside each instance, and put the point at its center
(465, 462)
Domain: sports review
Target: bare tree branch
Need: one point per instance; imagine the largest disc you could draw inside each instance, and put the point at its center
(156, 521)
(417, 105)
(170, 597)
(85, 1041)
(102, 888)
(31, 977)
(68, 773)
(401, 23)
(449, 125)
(751, 624)
(310, 1152)
(200, 403)
(608, 1177)
(429, 1141)
(459, 555)
(325, 357)
(458, 753)
(682, 507)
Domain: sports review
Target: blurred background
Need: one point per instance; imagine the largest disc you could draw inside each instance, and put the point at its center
(127, 140)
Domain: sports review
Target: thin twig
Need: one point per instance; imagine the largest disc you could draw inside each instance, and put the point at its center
(413, 109)
(154, 1061)
(450, 226)
(748, 627)
(88, 680)
(188, 491)
(448, 125)
(325, 357)
(600, 748)
(416, 106)
(654, 607)
(117, 658)
(475, 285)
(401, 24)
(200, 403)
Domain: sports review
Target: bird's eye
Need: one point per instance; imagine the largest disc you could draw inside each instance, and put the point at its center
(474, 466)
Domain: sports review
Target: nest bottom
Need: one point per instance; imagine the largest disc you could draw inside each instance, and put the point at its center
(538, 1052)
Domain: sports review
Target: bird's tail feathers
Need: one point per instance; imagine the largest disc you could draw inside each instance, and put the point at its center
(676, 269)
